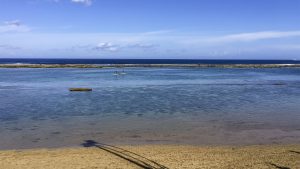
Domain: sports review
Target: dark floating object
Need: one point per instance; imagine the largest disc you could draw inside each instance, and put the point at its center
(80, 89)
(279, 84)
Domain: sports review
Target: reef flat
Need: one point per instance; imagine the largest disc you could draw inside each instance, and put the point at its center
(149, 65)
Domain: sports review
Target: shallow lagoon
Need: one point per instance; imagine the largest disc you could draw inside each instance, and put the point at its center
(203, 106)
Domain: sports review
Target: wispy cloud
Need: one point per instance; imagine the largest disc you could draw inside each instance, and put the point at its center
(9, 50)
(106, 46)
(142, 45)
(254, 36)
(9, 47)
(114, 46)
(13, 26)
(287, 46)
(159, 32)
(13, 23)
(85, 2)
(158, 43)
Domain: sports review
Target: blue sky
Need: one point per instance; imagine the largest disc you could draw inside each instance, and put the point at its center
(193, 29)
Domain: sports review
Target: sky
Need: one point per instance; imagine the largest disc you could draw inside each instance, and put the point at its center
(145, 29)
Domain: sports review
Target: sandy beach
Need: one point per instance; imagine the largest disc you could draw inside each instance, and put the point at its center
(154, 156)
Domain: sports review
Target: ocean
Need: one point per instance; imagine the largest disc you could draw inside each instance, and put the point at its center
(195, 106)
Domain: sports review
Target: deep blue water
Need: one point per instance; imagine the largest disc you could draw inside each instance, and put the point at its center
(175, 105)
(143, 61)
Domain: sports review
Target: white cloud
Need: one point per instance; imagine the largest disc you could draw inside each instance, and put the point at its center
(254, 36)
(85, 2)
(13, 26)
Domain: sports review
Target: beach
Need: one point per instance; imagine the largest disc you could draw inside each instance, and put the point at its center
(149, 84)
(158, 156)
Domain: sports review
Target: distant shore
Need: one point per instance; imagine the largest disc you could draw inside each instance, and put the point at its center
(155, 156)
(149, 65)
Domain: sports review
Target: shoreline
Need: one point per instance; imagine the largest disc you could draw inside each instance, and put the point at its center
(149, 65)
(95, 155)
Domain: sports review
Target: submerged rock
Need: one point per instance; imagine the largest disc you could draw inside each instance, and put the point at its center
(279, 84)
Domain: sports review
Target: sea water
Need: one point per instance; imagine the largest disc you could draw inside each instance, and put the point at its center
(149, 106)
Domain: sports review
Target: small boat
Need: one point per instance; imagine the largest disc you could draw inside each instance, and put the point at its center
(80, 89)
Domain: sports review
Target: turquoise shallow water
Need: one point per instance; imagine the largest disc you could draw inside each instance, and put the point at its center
(149, 105)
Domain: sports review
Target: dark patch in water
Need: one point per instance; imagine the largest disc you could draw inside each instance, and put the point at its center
(8, 118)
(56, 132)
(38, 118)
(36, 140)
(135, 136)
(14, 129)
(54, 118)
(92, 123)
(151, 141)
(99, 133)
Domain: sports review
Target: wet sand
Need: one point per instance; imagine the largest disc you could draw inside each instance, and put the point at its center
(155, 156)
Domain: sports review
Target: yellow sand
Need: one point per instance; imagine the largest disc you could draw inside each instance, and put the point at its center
(276, 156)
